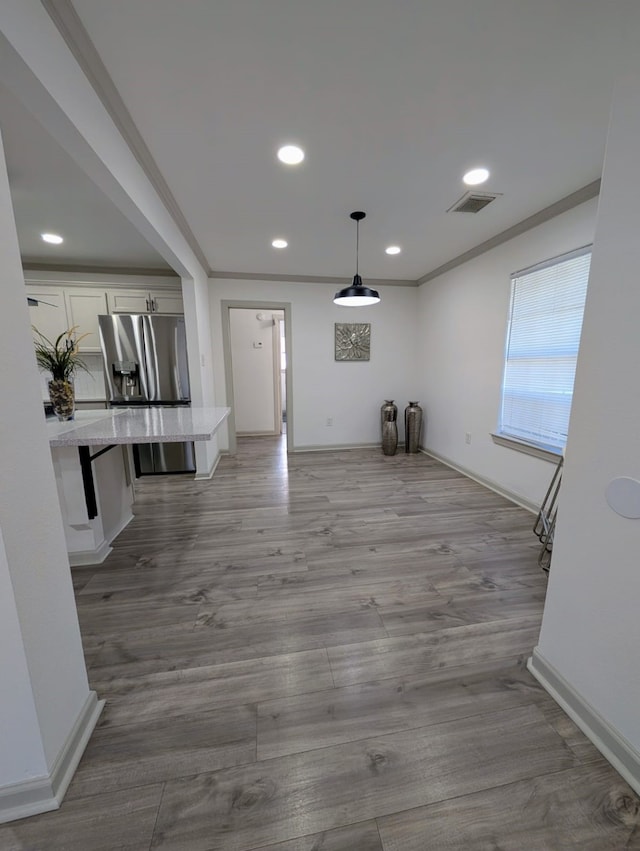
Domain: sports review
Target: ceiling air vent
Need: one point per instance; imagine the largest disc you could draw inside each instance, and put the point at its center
(473, 202)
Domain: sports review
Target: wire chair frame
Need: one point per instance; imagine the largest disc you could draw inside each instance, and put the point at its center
(544, 527)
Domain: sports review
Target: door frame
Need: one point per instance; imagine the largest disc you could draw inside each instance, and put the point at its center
(225, 306)
(277, 365)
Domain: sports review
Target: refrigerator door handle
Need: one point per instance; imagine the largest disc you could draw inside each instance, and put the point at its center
(150, 360)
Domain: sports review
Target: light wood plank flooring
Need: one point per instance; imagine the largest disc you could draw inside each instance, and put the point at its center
(325, 653)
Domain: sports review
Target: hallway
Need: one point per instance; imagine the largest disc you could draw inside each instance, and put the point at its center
(325, 652)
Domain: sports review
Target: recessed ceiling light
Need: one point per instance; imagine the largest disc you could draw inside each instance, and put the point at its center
(290, 154)
(53, 238)
(476, 176)
(279, 243)
(393, 249)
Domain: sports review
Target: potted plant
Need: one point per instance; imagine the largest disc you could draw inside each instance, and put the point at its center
(61, 360)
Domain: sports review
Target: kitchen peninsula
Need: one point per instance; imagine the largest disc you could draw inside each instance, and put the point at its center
(94, 472)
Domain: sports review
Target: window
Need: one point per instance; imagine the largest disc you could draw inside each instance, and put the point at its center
(543, 336)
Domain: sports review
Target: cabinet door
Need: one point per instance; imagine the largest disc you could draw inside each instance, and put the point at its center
(83, 308)
(129, 301)
(50, 315)
(167, 302)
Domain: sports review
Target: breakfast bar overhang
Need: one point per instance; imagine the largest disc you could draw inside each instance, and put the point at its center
(85, 466)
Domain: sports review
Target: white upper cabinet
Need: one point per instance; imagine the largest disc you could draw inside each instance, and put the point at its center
(167, 302)
(128, 301)
(144, 301)
(83, 308)
(50, 315)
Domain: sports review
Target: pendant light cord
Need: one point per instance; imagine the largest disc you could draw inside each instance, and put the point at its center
(357, 295)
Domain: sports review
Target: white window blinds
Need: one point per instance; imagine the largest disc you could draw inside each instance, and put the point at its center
(543, 336)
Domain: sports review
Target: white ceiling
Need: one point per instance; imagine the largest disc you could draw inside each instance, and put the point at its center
(392, 100)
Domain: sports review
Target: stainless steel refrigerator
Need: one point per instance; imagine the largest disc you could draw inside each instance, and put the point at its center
(145, 364)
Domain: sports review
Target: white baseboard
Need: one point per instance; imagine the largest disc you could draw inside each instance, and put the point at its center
(336, 447)
(43, 794)
(488, 483)
(614, 747)
(84, 558)
(272, 433)
(202, 477)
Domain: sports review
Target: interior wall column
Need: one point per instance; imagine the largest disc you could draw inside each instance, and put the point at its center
(47, 710)
(195, 296)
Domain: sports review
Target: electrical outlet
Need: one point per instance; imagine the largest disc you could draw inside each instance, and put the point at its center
(467, 437)
(257, 344)
(329, 421)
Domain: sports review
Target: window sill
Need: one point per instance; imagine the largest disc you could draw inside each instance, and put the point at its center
(527, 448)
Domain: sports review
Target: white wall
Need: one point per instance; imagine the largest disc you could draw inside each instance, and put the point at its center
(463, 319)
(253, 356)
(350, 393)
(591, 627)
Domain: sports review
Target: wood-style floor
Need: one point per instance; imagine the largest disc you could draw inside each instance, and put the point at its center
(325, 653)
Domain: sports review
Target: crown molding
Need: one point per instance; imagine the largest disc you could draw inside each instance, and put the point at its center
(586, 193)
(580, 196)
(311, 279)
(72, 268)
(72, 30)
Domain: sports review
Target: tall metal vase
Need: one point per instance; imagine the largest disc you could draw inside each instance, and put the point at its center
(388, 418)
(412, 427)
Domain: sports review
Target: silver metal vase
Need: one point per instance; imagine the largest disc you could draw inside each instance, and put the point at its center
(388, 419)
(412, 427)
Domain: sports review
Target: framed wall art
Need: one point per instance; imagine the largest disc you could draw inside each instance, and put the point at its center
(353, 341)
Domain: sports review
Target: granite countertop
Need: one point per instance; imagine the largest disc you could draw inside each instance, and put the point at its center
(136, 425)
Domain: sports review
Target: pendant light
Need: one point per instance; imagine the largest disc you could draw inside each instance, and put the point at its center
(357, 295)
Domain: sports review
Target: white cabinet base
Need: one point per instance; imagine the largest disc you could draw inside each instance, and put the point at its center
(89, 540)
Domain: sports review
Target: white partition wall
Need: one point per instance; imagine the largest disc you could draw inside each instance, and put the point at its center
(588, 649)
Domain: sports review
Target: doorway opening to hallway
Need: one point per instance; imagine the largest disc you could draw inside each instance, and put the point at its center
(257, 350)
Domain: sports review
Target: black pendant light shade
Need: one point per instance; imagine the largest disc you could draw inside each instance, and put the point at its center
(357, 295)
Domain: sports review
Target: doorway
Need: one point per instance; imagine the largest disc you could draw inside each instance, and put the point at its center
(258, 369)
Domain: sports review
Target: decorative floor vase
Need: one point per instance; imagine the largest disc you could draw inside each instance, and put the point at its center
(388, 417)
(62, 398)
(412, 427)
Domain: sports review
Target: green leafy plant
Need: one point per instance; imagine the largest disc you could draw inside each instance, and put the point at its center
(60, 358)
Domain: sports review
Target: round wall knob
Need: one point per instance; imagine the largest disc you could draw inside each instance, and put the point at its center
(623, 496)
